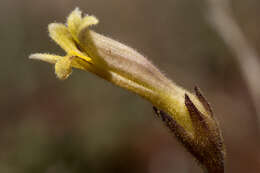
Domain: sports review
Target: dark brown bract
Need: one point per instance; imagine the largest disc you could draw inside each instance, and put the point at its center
(206, 145)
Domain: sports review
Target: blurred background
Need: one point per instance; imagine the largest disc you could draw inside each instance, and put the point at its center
(85, 124)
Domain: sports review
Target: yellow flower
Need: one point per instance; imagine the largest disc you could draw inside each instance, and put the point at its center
(187, 115)
(115, 62)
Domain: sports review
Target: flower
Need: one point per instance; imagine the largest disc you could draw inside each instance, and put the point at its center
(126, 68)
(113, 61)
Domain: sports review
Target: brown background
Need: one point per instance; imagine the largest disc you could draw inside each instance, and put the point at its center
(85, 124)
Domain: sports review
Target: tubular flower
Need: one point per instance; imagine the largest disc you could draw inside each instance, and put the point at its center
(126, 68)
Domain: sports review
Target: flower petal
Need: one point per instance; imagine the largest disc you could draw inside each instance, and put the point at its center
(63, 67)
(76, 62)
(73, 23)
(61, 35)
(50, 58)
(85, 40)
(86, 22)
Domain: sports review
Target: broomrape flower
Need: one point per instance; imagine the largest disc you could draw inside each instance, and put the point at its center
(187, 115)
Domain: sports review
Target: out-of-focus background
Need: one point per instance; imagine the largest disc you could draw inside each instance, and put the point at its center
(85, 124)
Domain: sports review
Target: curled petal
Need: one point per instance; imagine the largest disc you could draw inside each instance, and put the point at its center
(63, 67)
